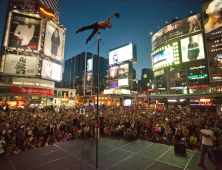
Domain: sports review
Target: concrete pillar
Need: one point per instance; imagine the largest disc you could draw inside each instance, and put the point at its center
(165, 106)
(218, 108)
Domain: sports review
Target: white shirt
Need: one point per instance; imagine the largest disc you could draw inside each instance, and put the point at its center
(205, 140)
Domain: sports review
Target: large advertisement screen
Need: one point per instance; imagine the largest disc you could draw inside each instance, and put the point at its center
(212, 18)
(51, 70)
(165, 56)
(121, 54)
(123, 71)
(182, 27)
(24, 32)
(192, 48)
(113, 77)
(158, 73)
(89, 65)
(20, 65)
(53, 46)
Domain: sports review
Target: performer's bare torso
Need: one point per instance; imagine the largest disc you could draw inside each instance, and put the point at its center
(103, 24)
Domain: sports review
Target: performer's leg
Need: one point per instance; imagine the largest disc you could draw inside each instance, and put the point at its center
(93, 26)
(93, 33)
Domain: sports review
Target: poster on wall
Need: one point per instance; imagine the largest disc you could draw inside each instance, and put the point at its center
(20, 65)
(182, 27)
(113, 77)
(53, 46)
(211, 12)
(123, 71)
(89, 64)
(72, 93)
(64, 95)
(121, 54)
(192, 48)
(51, 70)
(123, 82)
(24, 32)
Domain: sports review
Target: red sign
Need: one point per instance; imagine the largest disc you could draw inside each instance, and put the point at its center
(149, 89)
(15, 103)
(32, 91)
(199, 86)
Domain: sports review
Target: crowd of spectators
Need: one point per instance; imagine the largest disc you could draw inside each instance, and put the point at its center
(25, 129)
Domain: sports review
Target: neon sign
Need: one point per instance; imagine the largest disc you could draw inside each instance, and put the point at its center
(199, 86)
(47, 13)
(198, 76)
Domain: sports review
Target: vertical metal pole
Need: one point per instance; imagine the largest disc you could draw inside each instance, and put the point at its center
(97, 107)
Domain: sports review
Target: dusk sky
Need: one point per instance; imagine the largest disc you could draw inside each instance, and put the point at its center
(137, 19)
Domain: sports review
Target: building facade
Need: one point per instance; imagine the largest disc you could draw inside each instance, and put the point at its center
(186, 65)
(83, 66)
(32, 55)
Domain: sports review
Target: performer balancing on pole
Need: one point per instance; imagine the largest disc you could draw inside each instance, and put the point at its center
(102, 24)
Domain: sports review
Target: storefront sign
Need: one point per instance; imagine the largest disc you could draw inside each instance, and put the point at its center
(176, 79)
(158, 73)
(116, 91)
(32, 91)
(15, 103)
(197, 86)
(162, 88)
(32, 82)
(198, 76)
(199, 67)
(178, 88)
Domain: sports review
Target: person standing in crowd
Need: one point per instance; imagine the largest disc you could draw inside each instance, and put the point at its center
(97, 128)
(21, 136)
(207, 144)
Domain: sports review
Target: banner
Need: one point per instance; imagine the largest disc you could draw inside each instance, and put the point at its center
(32, 91)
(211, 12)
(24, 32)
(113, 77)
(53, 46)
(20, 65)
(88, 81)
(182, 27)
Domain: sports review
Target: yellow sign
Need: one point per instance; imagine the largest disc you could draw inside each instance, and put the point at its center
(144, 76)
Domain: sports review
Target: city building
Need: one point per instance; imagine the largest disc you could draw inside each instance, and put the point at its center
(31, 57)
(52, 4)
(81, 73)
(186, 62)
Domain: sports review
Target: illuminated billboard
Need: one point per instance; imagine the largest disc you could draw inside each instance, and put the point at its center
(176, 29)
(192, 48)
(89, 65)
(127, 102)
(20, 65)
(123, 71)
(113, 77)
(121, 54)
(211, 12)
(123, 82)
(54, 41)
(165, 56)
(51, 70)
(24, 32)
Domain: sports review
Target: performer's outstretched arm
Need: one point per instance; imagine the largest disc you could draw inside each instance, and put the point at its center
(117, 15)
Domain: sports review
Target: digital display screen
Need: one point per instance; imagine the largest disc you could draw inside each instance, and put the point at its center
(127, 102)
(89, 65)
(51, 70)
(192, 48)
(123, 82)
(121, 54)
